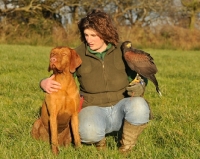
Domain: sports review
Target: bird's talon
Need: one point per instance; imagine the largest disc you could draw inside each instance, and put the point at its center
(134, 82)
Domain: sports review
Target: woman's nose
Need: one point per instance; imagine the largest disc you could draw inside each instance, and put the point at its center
(88, 39)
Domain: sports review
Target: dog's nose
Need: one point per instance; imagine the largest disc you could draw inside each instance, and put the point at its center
(53, 59)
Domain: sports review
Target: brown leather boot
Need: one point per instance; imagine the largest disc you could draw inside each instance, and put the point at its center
(130, 135)
(101, 145)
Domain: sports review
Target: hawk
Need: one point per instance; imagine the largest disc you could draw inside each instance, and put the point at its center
(140, 62)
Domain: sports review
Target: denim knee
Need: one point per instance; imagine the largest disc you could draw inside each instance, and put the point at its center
(136, 110)
(89, 133)
(91, 129)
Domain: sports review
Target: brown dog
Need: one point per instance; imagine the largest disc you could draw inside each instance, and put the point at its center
(60, 108)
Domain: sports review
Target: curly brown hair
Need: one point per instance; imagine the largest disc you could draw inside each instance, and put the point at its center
(102, 24)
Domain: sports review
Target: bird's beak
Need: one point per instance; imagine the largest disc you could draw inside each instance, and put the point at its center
(128, 45)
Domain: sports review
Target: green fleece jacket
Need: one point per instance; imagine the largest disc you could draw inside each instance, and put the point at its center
(102, 80)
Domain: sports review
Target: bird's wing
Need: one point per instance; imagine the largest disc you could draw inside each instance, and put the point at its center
(141, 62)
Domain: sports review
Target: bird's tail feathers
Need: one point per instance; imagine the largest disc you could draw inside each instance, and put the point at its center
(159, 92)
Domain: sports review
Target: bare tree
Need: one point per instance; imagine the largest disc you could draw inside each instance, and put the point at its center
(43, 15)
(192, 8)
(124, 12)
(135, 12)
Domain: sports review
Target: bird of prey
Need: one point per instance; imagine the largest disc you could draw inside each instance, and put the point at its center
(140, 62)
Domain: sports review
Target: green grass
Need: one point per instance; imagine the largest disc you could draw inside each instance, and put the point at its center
(174, 133)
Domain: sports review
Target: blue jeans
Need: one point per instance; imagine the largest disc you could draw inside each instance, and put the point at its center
(95, 122)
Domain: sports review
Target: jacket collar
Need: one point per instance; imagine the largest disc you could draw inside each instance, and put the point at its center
(108, 50)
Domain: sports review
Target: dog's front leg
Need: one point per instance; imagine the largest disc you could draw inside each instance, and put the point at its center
(54, 133)
(75, 124)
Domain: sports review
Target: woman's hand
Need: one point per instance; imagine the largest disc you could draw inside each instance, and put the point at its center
(49, 85)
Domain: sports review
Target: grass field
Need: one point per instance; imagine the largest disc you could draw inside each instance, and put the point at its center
(174, 133)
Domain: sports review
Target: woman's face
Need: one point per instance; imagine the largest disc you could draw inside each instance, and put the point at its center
(94, 41)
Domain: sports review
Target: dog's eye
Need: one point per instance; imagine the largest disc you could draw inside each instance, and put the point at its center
(52, 54)
(64, 54)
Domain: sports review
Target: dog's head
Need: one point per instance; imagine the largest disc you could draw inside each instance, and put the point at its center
(63, 59)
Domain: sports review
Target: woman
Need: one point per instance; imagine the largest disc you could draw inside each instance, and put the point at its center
(103, 78)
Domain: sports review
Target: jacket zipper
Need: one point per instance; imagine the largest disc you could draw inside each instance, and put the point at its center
(103, 66)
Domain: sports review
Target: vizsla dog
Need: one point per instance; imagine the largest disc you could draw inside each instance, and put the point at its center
(60, 108)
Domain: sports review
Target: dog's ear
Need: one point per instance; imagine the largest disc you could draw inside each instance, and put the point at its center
(75, 61)
(49, 68)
